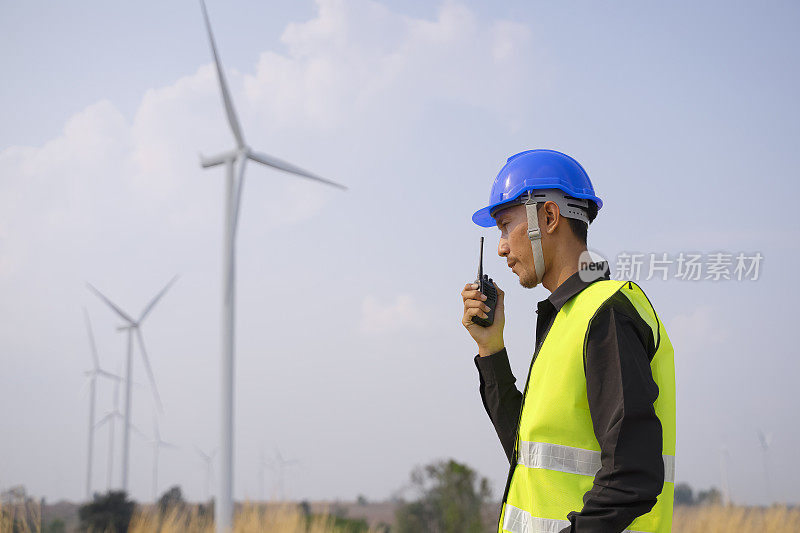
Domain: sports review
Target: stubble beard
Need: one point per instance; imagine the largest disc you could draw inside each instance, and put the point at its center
(528, 279)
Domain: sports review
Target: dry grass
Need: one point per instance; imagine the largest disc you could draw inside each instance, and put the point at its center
(719, 519)
(288, 519)
(25, 516)
(250, 518)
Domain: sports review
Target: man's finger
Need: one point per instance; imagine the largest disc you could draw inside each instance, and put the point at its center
(472, 295)
(475, 303)
(472, 311)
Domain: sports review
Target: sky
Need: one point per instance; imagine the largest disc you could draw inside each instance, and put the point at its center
(351, 357)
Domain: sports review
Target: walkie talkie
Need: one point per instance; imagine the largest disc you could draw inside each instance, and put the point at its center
(486, 286)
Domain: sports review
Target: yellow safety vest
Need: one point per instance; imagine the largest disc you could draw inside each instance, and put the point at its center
(556, 451)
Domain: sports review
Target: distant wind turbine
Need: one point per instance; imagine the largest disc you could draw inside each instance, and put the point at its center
(133, 326)
(262, 464)
(726, 489)
(208, 459)
(157, 444)
(111, 418)
(234, 161)
(279, 466)
(765, 440)
(92, 378)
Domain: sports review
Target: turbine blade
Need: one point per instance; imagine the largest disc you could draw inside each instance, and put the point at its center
(103, 420)
(239, 184)
(202, 454)
(139, 432)
(119, 311)
(95, 359)
(149, 370)
(155, 300)
(89, 377)
(226, 97)
(207, 162)
(108, 375)
(274, 162)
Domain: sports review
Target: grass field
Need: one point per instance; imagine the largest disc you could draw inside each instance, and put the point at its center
(735, 519)
(289, 519)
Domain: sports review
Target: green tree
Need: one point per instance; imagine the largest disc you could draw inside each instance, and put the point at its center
(684, 494)
(56, 526)
(711, 496)
(171, 499)
(451, 500)
(111, 511)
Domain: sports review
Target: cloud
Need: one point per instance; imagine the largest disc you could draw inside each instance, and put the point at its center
(696, 331)
(360, 61)
(402, 314)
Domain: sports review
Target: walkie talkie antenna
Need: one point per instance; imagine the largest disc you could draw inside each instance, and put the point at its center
(480, 265)
(487, 289)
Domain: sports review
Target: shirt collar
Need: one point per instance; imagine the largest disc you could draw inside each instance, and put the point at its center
(577, 282)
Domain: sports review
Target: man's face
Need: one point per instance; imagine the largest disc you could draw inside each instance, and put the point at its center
(514, 244)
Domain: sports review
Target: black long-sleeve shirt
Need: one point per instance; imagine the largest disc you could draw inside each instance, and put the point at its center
(620, 391)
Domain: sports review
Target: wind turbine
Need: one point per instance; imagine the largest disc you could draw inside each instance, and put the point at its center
(157, 444)
(765, 441)
(111, 418)
(261, 464)
(234, 161)
(279, 465)
(208, 459)
(92, 378)
(726, 489)
(133, 326)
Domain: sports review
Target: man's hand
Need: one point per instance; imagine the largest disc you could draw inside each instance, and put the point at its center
(489, 340)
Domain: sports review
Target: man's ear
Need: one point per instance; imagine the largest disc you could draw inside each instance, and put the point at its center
(551, 216)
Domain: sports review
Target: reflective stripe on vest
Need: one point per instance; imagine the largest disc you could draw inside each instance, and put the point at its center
(573, 460)
(519, 521)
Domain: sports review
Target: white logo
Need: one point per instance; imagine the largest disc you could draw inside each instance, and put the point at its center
(591, 265)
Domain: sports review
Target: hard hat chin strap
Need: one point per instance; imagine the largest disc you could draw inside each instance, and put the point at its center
(535, 236)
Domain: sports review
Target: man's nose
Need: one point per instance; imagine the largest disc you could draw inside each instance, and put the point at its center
(502, 248)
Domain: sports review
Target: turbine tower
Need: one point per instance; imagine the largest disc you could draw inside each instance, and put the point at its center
(132, 327)
(92, 378)
(157, 444)
(234, 161)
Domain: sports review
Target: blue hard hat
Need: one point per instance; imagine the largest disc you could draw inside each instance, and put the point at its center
(536, 169)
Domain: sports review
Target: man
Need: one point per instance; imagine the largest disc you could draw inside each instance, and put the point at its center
(591, 440)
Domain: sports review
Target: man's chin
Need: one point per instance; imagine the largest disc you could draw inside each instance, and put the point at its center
(529, 282)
